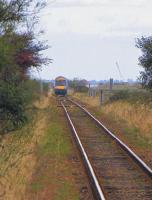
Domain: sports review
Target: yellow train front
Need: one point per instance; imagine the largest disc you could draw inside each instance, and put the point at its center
(61, 86)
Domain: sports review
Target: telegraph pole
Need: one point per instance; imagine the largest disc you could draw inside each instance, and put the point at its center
(41, 83)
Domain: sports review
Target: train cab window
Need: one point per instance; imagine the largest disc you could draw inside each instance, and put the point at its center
(60, 83)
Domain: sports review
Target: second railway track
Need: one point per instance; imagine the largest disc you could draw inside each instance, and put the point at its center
(118, 174)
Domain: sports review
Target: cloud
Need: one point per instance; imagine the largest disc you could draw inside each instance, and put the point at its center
(115, 20)
(96, 3)
(77, 3)
(84, 34)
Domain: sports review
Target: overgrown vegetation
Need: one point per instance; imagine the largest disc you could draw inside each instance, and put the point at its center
(53, 175)
(17, 160)
(132, 96)
(136, 118)
(129, 115)
(19, 51)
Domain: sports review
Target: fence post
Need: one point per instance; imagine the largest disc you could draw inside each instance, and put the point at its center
(94, 92)
(111, 84)
(101, 97)
(89, 90)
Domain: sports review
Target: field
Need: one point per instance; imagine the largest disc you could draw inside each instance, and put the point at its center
(127, 111)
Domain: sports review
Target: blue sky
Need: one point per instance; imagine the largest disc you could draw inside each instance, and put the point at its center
(87, 37)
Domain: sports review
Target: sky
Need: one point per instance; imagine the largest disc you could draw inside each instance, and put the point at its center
(88, 37)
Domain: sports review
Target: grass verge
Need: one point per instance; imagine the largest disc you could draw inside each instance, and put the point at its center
(52, 177)
(17, 158)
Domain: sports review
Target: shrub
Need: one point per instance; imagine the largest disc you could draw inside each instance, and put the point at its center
(20, 50)
(14, 101)
(12, 107)
(133, 96)
(120, 95)
(81, 89)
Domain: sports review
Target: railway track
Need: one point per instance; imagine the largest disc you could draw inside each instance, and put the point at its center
(114, 170)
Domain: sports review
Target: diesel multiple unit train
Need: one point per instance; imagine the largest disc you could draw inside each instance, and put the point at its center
(61, 86)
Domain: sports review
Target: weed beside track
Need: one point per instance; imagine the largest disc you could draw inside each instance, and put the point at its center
(130, 122)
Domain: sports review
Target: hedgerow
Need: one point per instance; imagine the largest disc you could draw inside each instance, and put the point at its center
(19, 52)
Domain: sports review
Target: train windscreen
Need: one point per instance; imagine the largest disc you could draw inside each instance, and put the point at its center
(60, 83)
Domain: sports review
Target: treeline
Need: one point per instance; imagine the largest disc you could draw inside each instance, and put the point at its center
(78, 85)
(19, 52)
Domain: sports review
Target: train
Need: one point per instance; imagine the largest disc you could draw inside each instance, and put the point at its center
(61, 86)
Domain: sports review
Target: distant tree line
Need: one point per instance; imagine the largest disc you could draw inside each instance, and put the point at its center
(19, 52)
(78, 85)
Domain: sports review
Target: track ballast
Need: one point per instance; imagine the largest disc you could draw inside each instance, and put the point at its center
(114, 171)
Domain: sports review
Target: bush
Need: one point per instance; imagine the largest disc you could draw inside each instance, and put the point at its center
(12, 107)
(120, 95)
(81, 89)
(132, 96)
(45, 88)
(14, 101)
(20, 51)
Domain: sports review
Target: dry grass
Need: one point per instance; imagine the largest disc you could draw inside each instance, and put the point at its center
(130, 121)
(17, 159)
(136, 116)
(93, 101)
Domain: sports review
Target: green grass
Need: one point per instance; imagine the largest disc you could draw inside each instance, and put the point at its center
(133, 96)
(134, 134)
(54, 170)
(63, 193)
(54, 144)
(36, 186)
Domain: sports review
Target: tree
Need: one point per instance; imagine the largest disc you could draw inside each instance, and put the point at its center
(145, 44)
(79, 85)
(19, 52)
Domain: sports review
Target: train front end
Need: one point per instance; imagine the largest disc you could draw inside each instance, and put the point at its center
(60, 87)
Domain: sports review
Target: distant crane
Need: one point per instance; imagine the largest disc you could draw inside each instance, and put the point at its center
(120, 74)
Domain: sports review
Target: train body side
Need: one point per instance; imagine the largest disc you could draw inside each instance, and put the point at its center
(61, 86)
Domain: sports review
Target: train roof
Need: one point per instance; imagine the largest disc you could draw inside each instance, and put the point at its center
(60, 78)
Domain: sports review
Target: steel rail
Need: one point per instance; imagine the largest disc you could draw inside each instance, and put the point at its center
(136, 158)
(97, 191)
